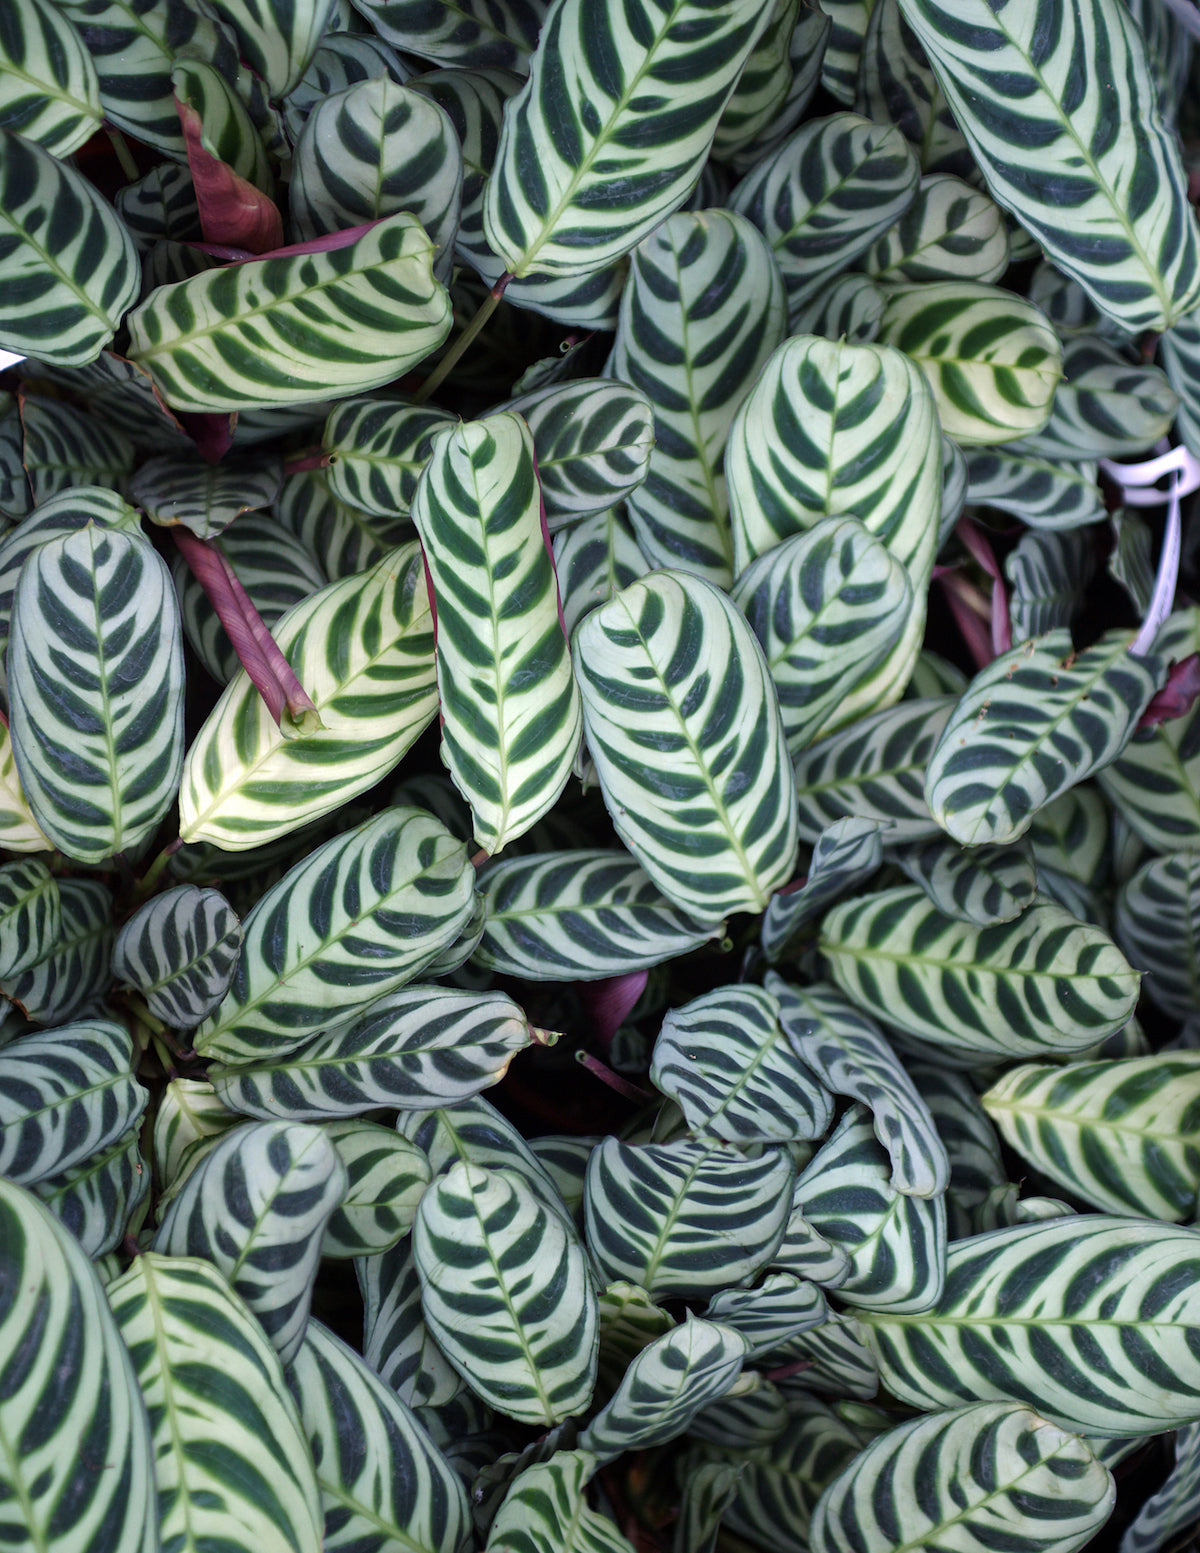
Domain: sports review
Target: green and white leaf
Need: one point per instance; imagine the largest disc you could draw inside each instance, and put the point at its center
(875, 770)
(611, 130)
(71, 1387)
(665, 1386)
(339, 537)
(629, 1322)
(593, 440)
(1086, 1318)
(1156, 922)
(1034, 722)
(846, 854)
(1071, 836)
(934, 675)
(805, 51)
(1040, 985)
(1175, 1506)
(77, 967)
(98, 1199)
(203, 497)
(271, 332)
(896, 85)
(509, 703)
(1131, 560)
(179, 951)
(505, 1291)
(724, 1059)
(363, 649)
(64, 449)
(970, 1140)
(836, 1358)
(227, 130)
(1036, 94)
(386, 1176)
(825, 196)
(851, 1056)
(377, 450)
(188, 1109)
(473, 36)
(594, 560)
(231, 1464)
(895, 1241)
(30, 915)
(383, 1483)
(991, 359)
(763, 87)
(771, 1313)
(396, 1342)
(65, 1095)
(950, 232)
(66, 282)
(276, 38)
(985, 1476)
(1120, 1135)
(701, 312)
(671, 666)
(849, 308)
(1045, 493)
(985, 885)
(828, 606)
(256, 1207)
(418, 1048)
(685, 1218)
(350, 923)
(1048, 575)
(705, 1495)
(49, 92)
(342, 60)
(373, 150)
(95, 663)
(1106, 406)
(545, 1512)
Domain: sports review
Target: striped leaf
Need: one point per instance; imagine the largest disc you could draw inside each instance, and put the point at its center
(382, 1481)
(231, 1464)
(271, 332)
(1059, 985)
(77, 966)
(846, 429)
(1071, 836)
(705, 1495)
(847, 853)
(373, 150)
(985, 885)
(95, 665)
(949, 232)
(509, 704)
(724, 1059)
(500, 34)
(1131, 561)
(203, 497)
(665, 1386)
(763, 87)
(629, 1322)
(1120, 1135)
(256, 1207)
(505, 1291)
(377, 450)
(419, 1048)
(896, 85)
(701, 312)
(579, 916)
(71, 1398)
(340, 538)
(545, 1512)
(824, 197)
(396, 1342)
(851, 1056)
(1106, 405)
(66, 282)
(65, 448)
(30, 915)
(594, 560)
(188, 1109)
(612, 129)
(386, 1176)
(849, 308)
(592, 439)
(1179, 353)
(875, 770)
(970, 1141)
(835, 1360)
(353, 921)
(805, 49)
(1036, 96)
(1086, 1318)
(1156, 922)
(828, 606)
(363, 650)
(1176, 1505)
(991, 359)
(727, 803)
(343, 59)
(777, 1309)
(179, 951)
(935, 676)
(993, 1474)
(685, 1218)
(1037, 720)
(98, 1199)
(276, 38)
(225, 127)
(1045, 493)
(840, 66)
(65, 1095)
(49, 92)
(895, 1241)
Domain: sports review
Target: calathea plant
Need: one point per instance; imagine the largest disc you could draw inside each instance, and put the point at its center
(500, 501)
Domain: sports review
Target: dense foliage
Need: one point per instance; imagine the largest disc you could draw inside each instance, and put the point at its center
(499, 503)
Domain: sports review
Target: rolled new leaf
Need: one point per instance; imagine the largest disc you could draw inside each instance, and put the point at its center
(509, 702)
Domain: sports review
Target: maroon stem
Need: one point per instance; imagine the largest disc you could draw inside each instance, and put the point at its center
(614, 1080)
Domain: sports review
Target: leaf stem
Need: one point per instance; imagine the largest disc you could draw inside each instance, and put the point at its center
(123, 154)
(149, 880)
(455, 354)
(606, 1075)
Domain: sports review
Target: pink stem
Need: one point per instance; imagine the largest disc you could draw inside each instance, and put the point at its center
(614, 1080)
